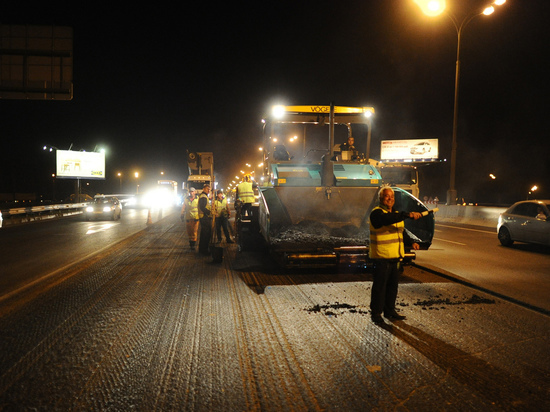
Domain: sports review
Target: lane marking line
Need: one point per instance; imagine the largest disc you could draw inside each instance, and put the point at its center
(450, 241)
(471, 230)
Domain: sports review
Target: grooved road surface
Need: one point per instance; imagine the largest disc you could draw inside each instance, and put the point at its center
(152, 326)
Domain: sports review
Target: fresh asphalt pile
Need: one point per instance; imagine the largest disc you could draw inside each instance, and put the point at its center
(153, 326)
(313, 235)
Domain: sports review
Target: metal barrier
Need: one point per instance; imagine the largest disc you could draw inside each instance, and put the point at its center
(33, 213)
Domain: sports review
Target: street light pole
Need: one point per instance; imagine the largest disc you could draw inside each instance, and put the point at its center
(452, 193)
(136, 174)
(434, 8)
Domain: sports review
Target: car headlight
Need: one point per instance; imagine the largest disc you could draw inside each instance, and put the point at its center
(89, 209)
(107, 209)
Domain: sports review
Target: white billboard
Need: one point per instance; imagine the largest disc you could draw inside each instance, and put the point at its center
(80, 165)
(410, 150)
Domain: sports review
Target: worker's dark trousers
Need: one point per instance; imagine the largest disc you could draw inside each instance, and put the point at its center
(205, 235)
(222, 222)
(384, 286)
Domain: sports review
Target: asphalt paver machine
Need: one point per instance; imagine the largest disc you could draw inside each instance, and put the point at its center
(314, 205)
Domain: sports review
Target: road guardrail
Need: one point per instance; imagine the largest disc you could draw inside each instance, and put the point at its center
(32, 213)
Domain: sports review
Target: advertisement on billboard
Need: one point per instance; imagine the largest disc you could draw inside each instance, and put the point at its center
(410, 150)
(80, 165)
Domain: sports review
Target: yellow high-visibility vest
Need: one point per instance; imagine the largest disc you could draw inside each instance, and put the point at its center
(191, 208)
(220, 207)
(386, 242)
(245, 192)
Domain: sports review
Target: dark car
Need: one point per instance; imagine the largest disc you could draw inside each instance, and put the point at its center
(104, 208)
(527, 221)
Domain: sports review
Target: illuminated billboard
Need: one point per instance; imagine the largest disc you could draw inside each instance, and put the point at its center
(80, 165)
(411, 150)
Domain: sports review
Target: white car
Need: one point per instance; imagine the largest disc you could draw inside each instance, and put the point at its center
(104, 208)
(527, 221)
(421, 148)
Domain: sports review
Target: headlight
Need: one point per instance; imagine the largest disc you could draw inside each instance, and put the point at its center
(107, 209)
(89, 209)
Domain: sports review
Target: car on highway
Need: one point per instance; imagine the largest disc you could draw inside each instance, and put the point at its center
(526, 221)
(104, 208)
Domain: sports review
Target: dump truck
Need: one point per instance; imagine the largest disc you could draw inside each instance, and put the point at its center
(404, 176)
(314, 205)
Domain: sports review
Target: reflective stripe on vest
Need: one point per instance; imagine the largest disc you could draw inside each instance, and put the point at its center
(386, 242)
(246, 193)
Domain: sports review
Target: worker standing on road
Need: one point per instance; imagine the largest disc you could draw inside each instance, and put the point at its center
(245, 193)
(387, 250)
(190, 216)
(205, 219)
(222, 214)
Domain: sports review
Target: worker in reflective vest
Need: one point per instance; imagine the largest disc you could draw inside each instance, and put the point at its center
(190, 216)
(245, 193)
(222, 214)
(205, 219)
(387, 249)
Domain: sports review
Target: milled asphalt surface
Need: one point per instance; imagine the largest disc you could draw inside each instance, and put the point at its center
(152, 326)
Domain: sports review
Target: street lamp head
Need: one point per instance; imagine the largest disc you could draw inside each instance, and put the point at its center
(431, 7)
(488, 10)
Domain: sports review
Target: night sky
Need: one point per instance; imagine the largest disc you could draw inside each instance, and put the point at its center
(151, 83)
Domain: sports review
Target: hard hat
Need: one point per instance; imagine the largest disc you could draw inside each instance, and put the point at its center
(192, 189)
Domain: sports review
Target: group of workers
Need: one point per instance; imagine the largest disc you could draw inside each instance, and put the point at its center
(200, 212)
